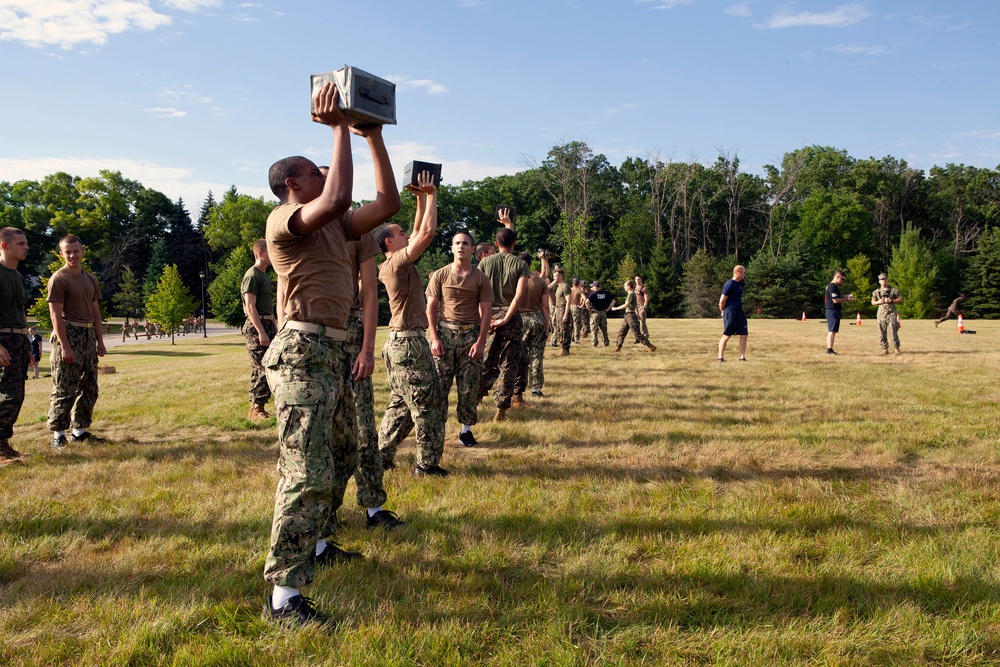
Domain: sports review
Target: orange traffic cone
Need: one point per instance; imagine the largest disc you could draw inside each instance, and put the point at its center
(803, 316)
(858, 321)
(961, 325)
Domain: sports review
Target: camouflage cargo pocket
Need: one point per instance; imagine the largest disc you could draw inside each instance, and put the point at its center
(296, 403)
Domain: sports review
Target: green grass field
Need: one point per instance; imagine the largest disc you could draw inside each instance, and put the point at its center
(653, 509)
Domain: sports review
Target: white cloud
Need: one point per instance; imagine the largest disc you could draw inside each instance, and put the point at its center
(979, 134)
(740, 9)
(427, 85)
(166, 112)
(858, 50)
(174, 182)
(66, 23)
(189, 98)
(840, 17)
(665, 4)
(192, 5)
(612, 112)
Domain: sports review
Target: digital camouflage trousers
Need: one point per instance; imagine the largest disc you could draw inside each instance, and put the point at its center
(317, 434)
(533, 339)
(74, 386)
(415, 400)
(455, 363)
(368, 476)
(260, 393)
(12, 379)
(631, 321)
(887, 325)
(503, 359)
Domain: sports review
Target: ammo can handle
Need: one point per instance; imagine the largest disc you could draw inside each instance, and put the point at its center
(367, 92)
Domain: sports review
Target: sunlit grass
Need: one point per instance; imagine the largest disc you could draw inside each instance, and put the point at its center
(652, 509)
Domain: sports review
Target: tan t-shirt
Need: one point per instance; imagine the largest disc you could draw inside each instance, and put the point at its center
(537, 291)
(561, 292)
(315, 269)
(406, 292)
(77, 294)
(460, 295)
(360, 252)
(504, 270)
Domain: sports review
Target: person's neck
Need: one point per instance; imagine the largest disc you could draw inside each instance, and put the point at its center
(462, 266)
(77, 270)
(506, 251)
(261, 265)
(9, 262)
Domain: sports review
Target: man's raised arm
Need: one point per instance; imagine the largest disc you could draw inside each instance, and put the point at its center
(386, 203)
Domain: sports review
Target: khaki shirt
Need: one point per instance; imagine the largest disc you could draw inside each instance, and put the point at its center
(460, 295)
(536, 292)
(77, 294)
(360, 251)
(406, 292)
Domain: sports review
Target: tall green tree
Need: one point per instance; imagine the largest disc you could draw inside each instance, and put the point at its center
(129, 298)
(913, 271)
(224, 291)
(171, 303)
(982, 286)
(859, 283)
(701, 294)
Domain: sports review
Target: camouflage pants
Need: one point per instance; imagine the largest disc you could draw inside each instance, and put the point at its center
(885, 326)
(368, 476)
(631, 321)
(414, 400)
(576, 317)
(555, 327)
(642, 323)
(456, 363)
(599, 323)
(584, 323)
(317, 434)
(259, 391)
(533, 339)
(74, 386)
(502, 359)
(567, 333)
(12, 379)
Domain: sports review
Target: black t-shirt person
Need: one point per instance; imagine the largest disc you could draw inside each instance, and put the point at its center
(600, 300)
(833, 292)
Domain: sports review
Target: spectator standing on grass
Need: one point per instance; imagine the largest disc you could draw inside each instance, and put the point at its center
(258, 328)
(36, 350)
(77, 342)
(415, 398)
(534, 332)
(15, 348)
(599, 302)
(459, 309)
(631, 320)
(833, 301)
(734, 320)
(504, 354)
(954, 309)
(306, 363)
(886, 298)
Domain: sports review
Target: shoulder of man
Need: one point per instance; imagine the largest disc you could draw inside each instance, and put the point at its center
(276, 228)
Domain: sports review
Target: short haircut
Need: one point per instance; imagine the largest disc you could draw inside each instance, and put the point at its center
(381, 233)
(259, 246)
(8, 234)
(524, 257)
(505, 238)
(483, 249)
(628, 284)
(838, 272)
(289, 167)
(472, 239)
(69, 239)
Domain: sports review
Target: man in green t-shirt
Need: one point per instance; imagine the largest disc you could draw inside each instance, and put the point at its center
(258, 329)
(15, 350)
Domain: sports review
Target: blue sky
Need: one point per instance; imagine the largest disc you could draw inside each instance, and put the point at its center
(188, 96)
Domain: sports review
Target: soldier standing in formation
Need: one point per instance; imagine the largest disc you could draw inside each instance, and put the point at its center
(642, 297)
(886, 298)
(534, 332)
(459, 308)
(258, 329)
(36, 350)
(15, 349)
(560, 296)
(415, 396)
(306, 363)
(631, 320)
(504, 355)
(78, 342)
(734, 320)
(598, 303)
(576, 300)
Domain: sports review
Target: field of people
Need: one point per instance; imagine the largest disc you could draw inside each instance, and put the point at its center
(652, 508)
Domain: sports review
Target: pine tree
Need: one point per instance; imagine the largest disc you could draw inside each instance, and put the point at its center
(171, 303)
(700, 291)
(912, 271)
(224, 291)
(859, 283)
(981, 281)
(128, 299)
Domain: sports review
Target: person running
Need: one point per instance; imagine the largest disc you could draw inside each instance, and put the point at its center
(631, 320)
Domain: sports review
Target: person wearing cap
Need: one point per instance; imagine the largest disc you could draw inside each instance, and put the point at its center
(306, 363)
(415, 397)
(886, 298)
(734, 320)
(833, 300)
(598, 303)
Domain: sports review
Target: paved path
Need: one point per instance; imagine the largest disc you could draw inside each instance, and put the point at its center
(214, 329)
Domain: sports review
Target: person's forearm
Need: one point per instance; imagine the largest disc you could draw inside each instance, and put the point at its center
(722, 303)
(433, 305)
(485, 316)
(98, 323)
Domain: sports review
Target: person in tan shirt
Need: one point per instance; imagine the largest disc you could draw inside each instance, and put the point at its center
(415, 398)
(534, 333)
(464, 297)
(306, 363)
(77, 342)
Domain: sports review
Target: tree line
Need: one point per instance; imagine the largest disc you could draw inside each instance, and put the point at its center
(683, 225)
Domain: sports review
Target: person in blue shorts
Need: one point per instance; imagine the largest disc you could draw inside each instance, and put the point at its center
(734, 320)
(833, 301)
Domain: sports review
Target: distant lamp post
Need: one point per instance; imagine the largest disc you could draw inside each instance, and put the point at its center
(204, 311)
